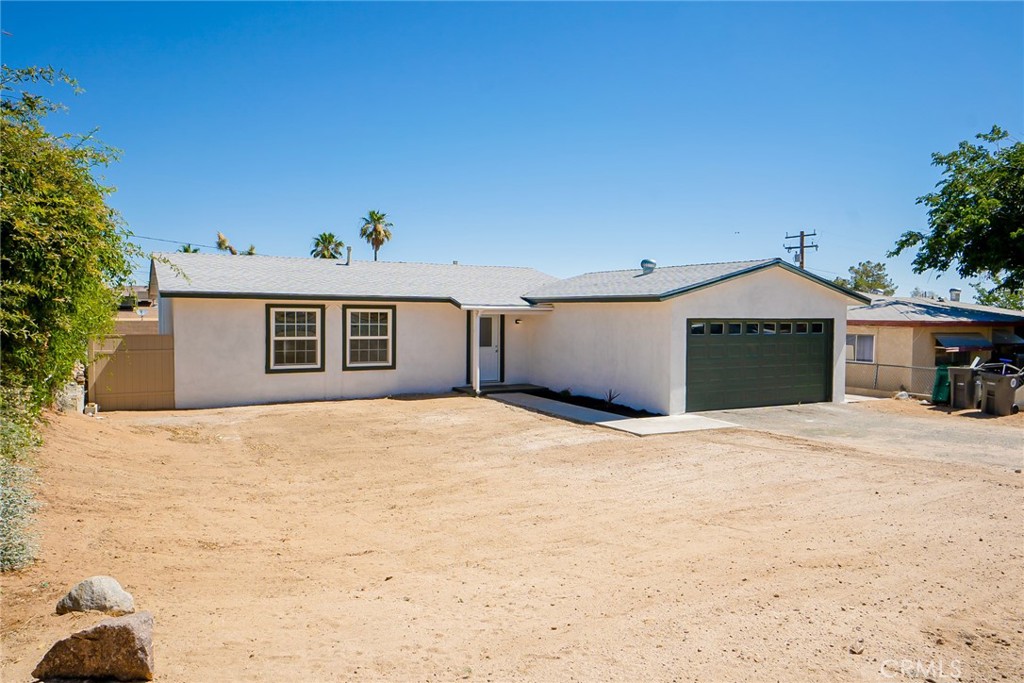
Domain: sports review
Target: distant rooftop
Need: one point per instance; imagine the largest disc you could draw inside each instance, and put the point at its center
(918, 310)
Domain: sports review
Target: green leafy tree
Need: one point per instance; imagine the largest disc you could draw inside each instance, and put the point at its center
(976, 216)
(998, 296)
(376, 230)
(326, 245)
(188, 249)
(868, 276)
(66, 255)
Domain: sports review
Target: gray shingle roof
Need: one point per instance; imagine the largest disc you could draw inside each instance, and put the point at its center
(662, 283)
(915, 310)
(279, 277)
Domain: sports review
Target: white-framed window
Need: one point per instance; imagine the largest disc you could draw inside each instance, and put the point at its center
(369, 337)
(295, 341)
(860, 348)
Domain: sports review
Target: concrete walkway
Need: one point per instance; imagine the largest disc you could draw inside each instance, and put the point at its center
(641, 426)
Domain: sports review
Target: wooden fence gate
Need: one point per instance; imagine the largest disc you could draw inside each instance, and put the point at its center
(133, 372)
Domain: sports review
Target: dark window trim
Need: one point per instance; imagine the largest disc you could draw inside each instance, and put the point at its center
(269, 337)
(393, 334)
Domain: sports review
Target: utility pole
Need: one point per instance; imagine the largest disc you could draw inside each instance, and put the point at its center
(803, 246)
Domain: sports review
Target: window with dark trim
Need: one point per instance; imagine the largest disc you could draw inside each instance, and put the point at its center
(369, 337)
(295, 341)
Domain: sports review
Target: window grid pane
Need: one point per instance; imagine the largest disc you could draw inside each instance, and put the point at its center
(369, 340)
(295, 338)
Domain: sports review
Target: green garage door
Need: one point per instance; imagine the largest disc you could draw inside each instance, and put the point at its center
(747, 363)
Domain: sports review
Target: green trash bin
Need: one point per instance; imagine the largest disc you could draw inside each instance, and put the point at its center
(940, 390)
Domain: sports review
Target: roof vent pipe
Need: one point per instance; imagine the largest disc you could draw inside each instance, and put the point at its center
(648, 266)
(348, 256)
(954, 294)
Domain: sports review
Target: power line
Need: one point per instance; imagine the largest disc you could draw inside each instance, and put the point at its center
(160, 239)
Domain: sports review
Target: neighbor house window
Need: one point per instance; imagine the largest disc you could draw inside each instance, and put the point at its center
(295, 340)
(369, 338)
(860, 348)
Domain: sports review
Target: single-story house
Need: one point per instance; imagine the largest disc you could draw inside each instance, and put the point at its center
(263, 329)
(895, 343)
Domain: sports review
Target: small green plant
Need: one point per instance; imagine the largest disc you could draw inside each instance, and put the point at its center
(611, 396)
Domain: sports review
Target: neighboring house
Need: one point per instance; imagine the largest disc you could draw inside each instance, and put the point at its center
(137, 313)
(895, 343)
(258, 329)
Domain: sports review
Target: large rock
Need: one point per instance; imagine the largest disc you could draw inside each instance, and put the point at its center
(100, 593)
(119, 648)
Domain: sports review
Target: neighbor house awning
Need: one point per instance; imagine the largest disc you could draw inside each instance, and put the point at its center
(965, 341)
(1006, 338)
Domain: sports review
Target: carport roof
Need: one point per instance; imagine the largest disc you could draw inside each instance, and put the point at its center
(276, 277)
(664, 282)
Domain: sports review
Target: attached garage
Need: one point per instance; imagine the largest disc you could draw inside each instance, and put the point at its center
(747, 363)
(683, 339)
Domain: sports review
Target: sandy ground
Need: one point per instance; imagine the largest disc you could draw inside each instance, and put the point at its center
(453, 538)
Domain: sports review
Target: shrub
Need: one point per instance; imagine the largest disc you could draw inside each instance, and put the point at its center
(18, 439)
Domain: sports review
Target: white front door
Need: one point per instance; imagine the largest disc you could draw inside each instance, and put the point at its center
(490, 349)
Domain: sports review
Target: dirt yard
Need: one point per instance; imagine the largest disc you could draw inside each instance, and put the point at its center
(453, 538)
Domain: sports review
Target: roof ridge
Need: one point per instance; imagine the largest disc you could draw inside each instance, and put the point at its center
(681, 265)
(354, 260)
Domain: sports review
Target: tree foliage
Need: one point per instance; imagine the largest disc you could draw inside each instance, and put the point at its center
(976, 216)
(188, 249)
(1000, 297)
(224, 244)
(326, 245)
(376, 230)
(66, 255)
(868, 276)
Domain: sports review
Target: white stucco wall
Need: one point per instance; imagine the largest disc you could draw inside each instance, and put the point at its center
(771, 293)
(590, 348)
(220, 355)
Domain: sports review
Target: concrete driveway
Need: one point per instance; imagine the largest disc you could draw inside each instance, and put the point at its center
(924, 433)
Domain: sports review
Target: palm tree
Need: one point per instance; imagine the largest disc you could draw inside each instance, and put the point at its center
(224, 245)
(326, 245)
(376, 230)
(188, 249)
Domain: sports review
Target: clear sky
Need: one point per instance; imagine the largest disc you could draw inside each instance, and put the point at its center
(564, 136)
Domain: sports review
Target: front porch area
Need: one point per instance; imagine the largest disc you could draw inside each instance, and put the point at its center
(497, 388)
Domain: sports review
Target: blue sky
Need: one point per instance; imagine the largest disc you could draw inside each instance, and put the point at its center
(568, 137)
